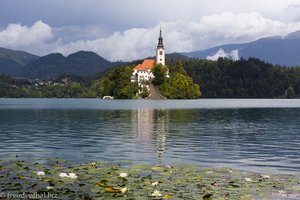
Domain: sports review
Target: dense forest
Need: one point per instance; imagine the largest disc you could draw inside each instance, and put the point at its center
(223, 78)
(251, 78)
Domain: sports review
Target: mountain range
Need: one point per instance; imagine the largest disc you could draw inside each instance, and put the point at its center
(26, 65)
(278, 50)
(82, 63)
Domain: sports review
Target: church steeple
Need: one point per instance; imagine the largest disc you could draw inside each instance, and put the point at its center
(160, 41)
(160, 50)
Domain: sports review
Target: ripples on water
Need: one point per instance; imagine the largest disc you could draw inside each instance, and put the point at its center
(256, 139)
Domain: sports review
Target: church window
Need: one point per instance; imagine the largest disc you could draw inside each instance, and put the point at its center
(160, 53)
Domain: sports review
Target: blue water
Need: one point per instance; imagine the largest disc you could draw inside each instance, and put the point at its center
(250, 134)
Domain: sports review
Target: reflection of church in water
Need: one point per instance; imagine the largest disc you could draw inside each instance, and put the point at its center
(150, 129)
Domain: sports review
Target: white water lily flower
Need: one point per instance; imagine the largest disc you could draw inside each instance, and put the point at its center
(72, 176)
(123, 190)
(63, 175)
(282, 192)
(123, 175)
(155, 183)
(168, 166)
(40, 173)
(156, 193)
(49, 188)
(265, 176)
(248, 179)
(94, 164)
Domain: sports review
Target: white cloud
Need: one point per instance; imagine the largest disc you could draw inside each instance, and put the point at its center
(128, 45)
(137, 43)
(74, 33)
(23, 37)
(220, 54)
(182, 36)
(116, 15)
(233, 55)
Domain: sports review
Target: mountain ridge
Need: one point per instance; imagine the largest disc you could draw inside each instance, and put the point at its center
(278, 50)
(12, 61)
(83, 63)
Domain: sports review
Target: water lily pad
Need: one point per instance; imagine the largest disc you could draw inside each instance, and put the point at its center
(112, 190)
(207, 196)
(175, 182)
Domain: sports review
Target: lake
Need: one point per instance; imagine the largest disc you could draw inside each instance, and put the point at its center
(261, 135)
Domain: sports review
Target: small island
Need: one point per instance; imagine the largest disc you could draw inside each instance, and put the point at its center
(151, 79)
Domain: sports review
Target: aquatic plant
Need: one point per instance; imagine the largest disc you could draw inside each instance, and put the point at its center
(125, 180)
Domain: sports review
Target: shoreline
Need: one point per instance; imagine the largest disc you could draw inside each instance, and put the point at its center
(126, 180)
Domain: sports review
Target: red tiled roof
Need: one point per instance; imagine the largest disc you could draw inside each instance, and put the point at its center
(146, 65)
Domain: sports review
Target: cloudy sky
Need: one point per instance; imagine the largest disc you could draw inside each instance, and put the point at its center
(128, 29)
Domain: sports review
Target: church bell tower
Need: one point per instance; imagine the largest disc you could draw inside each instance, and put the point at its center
(160, 50)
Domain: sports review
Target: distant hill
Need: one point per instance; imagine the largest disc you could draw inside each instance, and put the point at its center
(276, 50)
(175, 56)
(170, 57)
(12, 62)
(82, 63)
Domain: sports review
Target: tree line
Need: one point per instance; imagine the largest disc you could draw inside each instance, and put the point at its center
(245, 78)
(224, 78)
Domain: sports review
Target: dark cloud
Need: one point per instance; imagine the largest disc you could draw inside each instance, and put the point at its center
(127, 29)
(118, 15)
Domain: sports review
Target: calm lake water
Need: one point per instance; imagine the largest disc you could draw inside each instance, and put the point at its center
(251, 134)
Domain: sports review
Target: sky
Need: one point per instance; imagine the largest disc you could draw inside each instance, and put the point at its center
(128, 29)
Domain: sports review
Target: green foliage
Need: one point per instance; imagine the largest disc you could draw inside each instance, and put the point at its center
(145, 92)
(73, 90)
(117, 83)
(15, 88)
(249, 78)
(159, 71)
(177, 67)
(180, 86)
(224, 78)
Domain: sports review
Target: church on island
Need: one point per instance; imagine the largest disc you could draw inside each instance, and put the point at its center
(142, 73)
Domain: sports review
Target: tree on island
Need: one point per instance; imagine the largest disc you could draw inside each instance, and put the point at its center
(116, 83)
(159, 71)
(178, 86)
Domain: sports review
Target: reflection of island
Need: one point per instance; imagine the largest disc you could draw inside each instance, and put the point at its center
(143, 120)
(150, 129)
